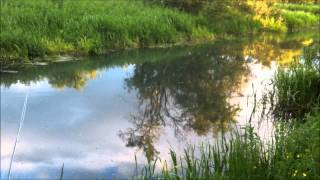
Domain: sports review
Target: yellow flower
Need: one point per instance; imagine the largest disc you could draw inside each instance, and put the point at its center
(304, 174)
(307, 42)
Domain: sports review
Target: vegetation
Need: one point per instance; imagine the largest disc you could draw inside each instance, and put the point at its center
(288, 156)
(300, 7)
(266, 48)
(246, 156)
(36, 28)
(292, 152)
(32, 28)
(298, 87)
(299, 19)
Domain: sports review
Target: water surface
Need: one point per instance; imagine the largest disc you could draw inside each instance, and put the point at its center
(95, 115)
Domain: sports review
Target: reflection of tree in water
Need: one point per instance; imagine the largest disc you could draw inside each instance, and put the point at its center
(265, 48)
(187, 93)
(277, 48)
(75, 79)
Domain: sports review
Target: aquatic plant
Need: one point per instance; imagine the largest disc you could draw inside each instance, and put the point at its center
(288, 155)
(298, 86)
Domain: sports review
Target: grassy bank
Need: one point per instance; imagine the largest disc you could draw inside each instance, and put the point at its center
(296, 20)
(291, 153)
(311, 8)
(299, 16)
(32, 29)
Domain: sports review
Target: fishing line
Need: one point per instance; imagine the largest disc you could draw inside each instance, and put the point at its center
(18, 133)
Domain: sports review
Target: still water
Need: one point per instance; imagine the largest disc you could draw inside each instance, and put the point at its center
(95, 115)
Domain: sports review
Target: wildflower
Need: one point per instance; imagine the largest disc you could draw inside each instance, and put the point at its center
(298, 156)
(304, 174)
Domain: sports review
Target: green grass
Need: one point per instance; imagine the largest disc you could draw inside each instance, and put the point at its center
(311, 8)
(32, 29)
(35, 28)
(298, 86)
(232, 22)
(299, 16)
(296, 20)
(293, 154)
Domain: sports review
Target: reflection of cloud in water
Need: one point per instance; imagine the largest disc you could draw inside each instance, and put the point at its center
(68, 127)
(80, 128)
(255, 85)
(35, 87)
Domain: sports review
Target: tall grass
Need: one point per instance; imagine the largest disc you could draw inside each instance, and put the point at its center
(232, 22)
(296, 20)
(298, 86)
(311, 8)
(288, 156)
(33, 28)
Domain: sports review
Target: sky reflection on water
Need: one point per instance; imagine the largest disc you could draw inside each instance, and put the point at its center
(95, 115)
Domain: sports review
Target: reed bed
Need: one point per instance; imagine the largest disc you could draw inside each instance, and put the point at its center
(288, 156)
(298, 86)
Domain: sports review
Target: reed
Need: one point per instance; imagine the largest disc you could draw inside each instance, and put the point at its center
(298, 86)
(288, 155)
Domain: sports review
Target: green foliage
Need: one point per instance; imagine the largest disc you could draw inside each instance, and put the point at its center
(289, 156)
(298, 87)
(300, 1)
(299, 19)
(34, 28)
(193, 6)
(300, 7)
(231, 22)
(298, 150)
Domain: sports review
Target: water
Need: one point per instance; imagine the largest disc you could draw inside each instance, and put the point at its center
(95, 115)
